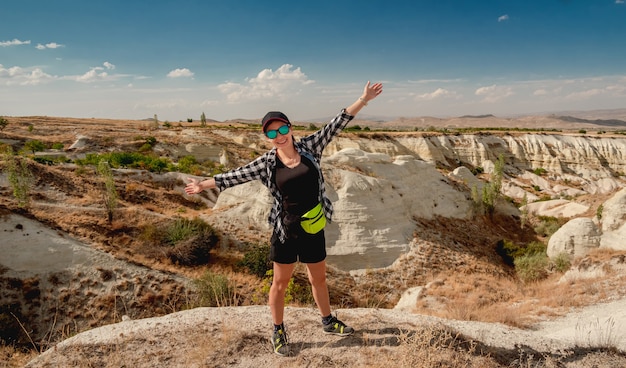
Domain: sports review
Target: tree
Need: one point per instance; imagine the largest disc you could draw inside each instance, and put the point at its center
(203, 120)
(34, 146)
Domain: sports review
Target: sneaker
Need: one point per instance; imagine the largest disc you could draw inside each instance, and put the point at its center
(279, 342)
(336, 327)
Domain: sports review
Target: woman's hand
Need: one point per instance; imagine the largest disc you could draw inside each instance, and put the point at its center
(193, 187)
(370, 92)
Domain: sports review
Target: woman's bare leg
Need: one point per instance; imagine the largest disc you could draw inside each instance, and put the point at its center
(282, 275)
(317, 278)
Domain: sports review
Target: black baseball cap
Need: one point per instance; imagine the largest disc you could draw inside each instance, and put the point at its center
(273, 116)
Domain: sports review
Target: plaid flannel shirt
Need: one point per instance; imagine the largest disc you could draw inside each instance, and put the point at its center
(262, 169)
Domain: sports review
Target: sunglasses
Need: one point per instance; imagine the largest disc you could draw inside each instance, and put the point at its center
(271, 134)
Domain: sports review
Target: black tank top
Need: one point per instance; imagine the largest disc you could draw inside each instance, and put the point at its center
(299, 186)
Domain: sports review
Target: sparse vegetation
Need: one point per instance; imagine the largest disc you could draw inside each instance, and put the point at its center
(185, 242)
(34, 145)
(109, 192)
(215, 290)
(298, 291)
(20, 177)
(548, 225)
(256, 260)
(3, 123)
(532, 267)
(485, 202)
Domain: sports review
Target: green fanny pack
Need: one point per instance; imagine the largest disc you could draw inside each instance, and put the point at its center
(314, 220)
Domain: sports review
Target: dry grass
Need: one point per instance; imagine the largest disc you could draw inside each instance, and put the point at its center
(12, 357)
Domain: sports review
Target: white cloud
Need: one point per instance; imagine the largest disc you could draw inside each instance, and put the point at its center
(92, 76)
(96, 74)
(540, 92)
(51, 45)
(586, 94)
(281, 83)
(179, 73)
(619, 1)
(23, 76)
(14, 42)
(438, 93)
(494, 93)
(503, 18)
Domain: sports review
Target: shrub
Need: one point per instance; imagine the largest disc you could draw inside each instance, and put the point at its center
(127, 160)
(3, 122)
(215, 290)
(532, 267)
(599, 211)
(190, 241)
(547, 226)
(45, 160)
(20, 178)
(486, 201)
(257, 261)
(562, 262)
(34, 146)
(510, 251)
(109, 192)
(187, 165)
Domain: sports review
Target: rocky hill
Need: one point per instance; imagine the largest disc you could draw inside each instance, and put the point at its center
(406, 231)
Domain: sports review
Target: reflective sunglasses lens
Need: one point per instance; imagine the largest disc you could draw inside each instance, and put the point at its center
(283, 129)
(271, 134)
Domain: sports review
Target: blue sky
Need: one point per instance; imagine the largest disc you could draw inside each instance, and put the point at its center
(241, 58)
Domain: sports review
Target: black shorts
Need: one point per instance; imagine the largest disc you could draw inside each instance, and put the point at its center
(306, 248)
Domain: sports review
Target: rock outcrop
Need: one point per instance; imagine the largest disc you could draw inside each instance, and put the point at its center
(380, 183)
(578, 236)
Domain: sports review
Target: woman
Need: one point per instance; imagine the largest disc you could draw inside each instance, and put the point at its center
(291, 171)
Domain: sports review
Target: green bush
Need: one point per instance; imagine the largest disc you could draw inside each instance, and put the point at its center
(547, 226)
(21, 179)
(187, 165)
(257, 261)
(34, 146)
(510, 251)
(127, 160)
(562, 262)
(532, 267)
(46, 160)
(190, 241)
